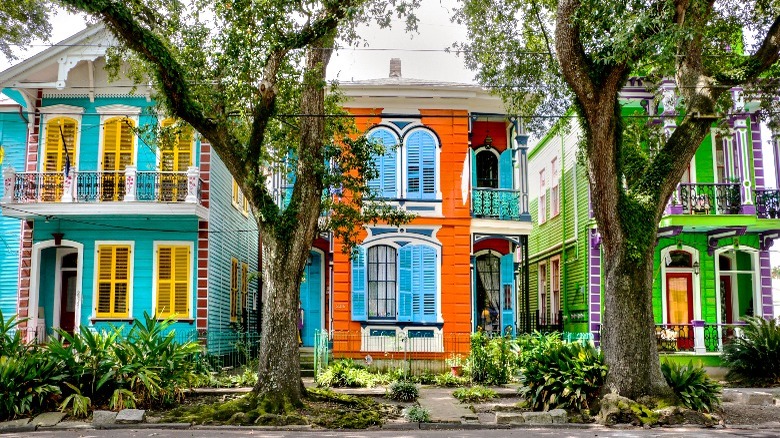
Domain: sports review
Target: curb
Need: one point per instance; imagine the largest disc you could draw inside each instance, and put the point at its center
(18, 429)
(143, 426)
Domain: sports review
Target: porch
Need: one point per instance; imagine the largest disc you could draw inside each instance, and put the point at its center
(717, 199)
(501, 204)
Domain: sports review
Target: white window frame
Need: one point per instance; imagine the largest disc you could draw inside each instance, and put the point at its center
(399, 150)
(53, 112)
(541, 289)
(542, 204)
(555, 262)
(555, 191)
(405, 165)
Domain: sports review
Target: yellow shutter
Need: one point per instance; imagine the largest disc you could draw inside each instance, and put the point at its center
(117, 144)
(113, 289)
(54, 160)
(234, 290)
(173, 281)
(244, 285)
(177, 157)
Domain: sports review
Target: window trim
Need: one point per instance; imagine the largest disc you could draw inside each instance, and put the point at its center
(555, 189)
(233, 302)
(553, 311)
(239, 201)
(437, 195)
(190, 281)
(399, 151)
(244, 286)
(396, 282)
(542, 199)
(541, 303)
(130, 279)
(43, 147)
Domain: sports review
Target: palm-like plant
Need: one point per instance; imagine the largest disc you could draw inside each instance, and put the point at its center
(754, 358)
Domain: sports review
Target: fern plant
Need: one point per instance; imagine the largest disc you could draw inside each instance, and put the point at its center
(754, 358)
(692, 386)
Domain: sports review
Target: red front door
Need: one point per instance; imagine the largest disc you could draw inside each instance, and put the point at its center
(679, 306)
(68, 301)
(725, 289)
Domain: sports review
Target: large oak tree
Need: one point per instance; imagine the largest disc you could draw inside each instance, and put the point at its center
(545, 55)
(249, 76)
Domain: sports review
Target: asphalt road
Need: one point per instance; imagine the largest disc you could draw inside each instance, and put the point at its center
(529, 433)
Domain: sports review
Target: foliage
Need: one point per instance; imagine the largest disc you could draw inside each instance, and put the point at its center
(31, 383)
(692, 386)
(474, 394)
(11, 340)
(754, 358)
(448, 380)
(76, 404)
(567, 376)
(491, 360)
(347, 373)
(246, 377)
(401, 390)
(22, 21)
(776, 272)
(417, 414)
(529, 346)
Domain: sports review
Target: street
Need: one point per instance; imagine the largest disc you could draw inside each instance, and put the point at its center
(526, 433)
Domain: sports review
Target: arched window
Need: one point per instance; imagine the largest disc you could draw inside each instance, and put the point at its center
(382, 282)
(59, 155)
(421, 165)
(118, 153)
(384, 185)
(487, 169)
(680, 259)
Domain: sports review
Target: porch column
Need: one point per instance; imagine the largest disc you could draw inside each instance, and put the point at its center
(669, 101)
(743, 171)
(765, 282)
(594, 285)
(776, 153)
(192, 184)
(130, 183)
(9, 177)
(698, 336)
(68, 185)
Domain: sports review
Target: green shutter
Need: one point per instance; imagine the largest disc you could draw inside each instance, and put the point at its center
(359, 284)
(505, 170)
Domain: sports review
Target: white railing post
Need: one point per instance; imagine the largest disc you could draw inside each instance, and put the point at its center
(9, 177)
(130, 186)
(699, 346)
(192, 184)
(68, 185)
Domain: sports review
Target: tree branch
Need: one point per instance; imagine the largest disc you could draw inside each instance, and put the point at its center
(571, 54)
(752, 66)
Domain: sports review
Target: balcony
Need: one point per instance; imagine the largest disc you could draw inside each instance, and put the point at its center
(768, 204)
(501, 204)
(30, 194)
(707, 199)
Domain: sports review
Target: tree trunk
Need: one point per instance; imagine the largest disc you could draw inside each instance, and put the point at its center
(628, 327)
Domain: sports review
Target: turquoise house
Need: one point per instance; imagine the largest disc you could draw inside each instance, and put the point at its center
(99, 225)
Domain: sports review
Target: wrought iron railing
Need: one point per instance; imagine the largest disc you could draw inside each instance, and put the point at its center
(503, 204)
(768, 203)
(674, 337)
(716, 336)
(102, 186)
(539, 322)
(714, 198)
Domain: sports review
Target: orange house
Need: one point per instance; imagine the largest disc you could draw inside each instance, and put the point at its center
(454, 158)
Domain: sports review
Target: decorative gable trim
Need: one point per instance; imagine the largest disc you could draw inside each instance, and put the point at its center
(62, 109)
(118, 109)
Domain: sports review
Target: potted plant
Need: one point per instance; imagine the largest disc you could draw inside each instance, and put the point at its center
(455, 362)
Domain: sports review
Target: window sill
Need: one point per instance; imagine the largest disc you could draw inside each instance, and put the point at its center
(400, 324)
(107, 319)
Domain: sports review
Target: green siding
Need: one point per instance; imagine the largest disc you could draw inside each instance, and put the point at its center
(704, 162)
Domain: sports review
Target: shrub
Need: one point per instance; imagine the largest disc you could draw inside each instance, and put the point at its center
(529, 346)
(561, 375)
(30, 383)
(754, 359)
(447, 380)
(417, 414)
(692, 386)
(474, 394)
(492, 360)
(347, 373)
(404, 391)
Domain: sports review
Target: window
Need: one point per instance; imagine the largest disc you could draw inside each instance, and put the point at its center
(542, 198)
(390, 283)
(176, 158)
(234, 310)
(118, 153)
(555, 292)
(542, 294)
(382, 283)
(555, 201)
(113, 281)
(60, 137)
(173, 281)
(384, 185)
(239, 200)
(421, 165)
(244, 286)
(487, 169)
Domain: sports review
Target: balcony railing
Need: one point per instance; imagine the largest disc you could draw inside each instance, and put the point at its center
(102, 186)
(768, 203)
(713, 198)
(697, 337)
(503, 204)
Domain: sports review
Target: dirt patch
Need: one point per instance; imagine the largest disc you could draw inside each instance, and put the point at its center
(739, 414)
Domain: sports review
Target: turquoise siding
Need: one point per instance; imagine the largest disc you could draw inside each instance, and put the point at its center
(13, 139)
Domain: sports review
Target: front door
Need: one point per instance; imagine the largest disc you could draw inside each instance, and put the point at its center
(679, 299)
(68, 301)
(311, 298)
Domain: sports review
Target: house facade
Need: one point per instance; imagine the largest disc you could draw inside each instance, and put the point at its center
(451, 157)
(711, 263)
(108, 224)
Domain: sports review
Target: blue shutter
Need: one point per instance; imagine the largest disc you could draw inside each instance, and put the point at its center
(405, 283)
(473, 168)
(385, 183)
(505, 170)
(428, 165)
(417, 284)
(359, 284)
(508, 302)
(413, 171)
(429, 282)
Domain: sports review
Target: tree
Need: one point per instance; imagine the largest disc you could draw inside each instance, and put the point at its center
(251, 80)
(22, 21)
(776, 272)
(545, 55)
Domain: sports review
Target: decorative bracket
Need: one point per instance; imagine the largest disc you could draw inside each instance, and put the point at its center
(766, 239)
(672, 231)
(721, 233)
(595, 238)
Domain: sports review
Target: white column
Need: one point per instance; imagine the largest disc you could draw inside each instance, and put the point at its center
(699, 346)
(193, 174)
(776, 153)
(130, 183)
(68, 184)
(740, 126)
(9, 177)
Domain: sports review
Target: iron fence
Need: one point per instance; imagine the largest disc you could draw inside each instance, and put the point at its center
(674, 337)
(716, 336)
(715, 198)
(501, 204)
(539, 322)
